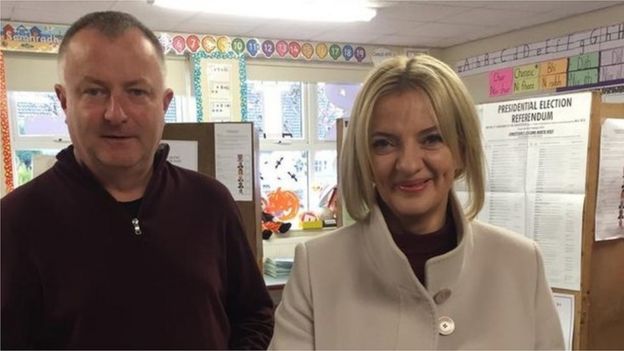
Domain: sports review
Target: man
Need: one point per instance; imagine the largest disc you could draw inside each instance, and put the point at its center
(114, 247)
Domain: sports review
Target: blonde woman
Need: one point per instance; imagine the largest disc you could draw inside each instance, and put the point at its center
(416, 270)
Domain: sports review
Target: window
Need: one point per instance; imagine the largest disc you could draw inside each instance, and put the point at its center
(298, 159)
(39, 132)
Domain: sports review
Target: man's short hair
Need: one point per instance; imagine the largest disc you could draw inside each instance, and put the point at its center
(111, 24)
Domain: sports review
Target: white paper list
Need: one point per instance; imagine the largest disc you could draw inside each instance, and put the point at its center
(610, 200)
(234, 158)
(536, 154)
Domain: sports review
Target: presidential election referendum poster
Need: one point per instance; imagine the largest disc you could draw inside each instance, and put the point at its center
(536, 154)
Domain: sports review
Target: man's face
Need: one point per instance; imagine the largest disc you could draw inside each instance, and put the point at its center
(114, 98)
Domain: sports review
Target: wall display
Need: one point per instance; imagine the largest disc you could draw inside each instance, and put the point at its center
(5, 134)
(220, 87)
(233, 159)
(597, 39)
(595, 69)
(553, 74)
(536, 151)
(610, 200)
(29, 37)
(526, 78)
(501, 82)
(583, 69)
(224, 151)
(612, 64)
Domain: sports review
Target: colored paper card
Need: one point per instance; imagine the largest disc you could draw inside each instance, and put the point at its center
(585, 61)
(612, 56)
(552, 81)
(501, 82)
(587, 76)
(611, 72)
(526, 78)
(553, 67)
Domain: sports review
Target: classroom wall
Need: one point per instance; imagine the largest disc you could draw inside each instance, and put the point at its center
(478, 84)
(262, 69)
(38, 72)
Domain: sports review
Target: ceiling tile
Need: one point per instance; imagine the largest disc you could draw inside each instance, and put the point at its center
(486, 17)
(417, 41)
(211, 28)
(154, 17)
(414, 23)
(419, 11)
(285, 31)
(450, 29)
(340, 37)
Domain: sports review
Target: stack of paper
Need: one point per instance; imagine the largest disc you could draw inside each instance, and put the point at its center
(278, 267)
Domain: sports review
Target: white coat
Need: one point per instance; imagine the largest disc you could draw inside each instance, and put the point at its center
(355, 289)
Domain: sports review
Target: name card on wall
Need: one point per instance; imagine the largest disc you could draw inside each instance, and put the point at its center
(553, 74)
(585, 61)
(501, 82)
(587, 76)
(526, 78)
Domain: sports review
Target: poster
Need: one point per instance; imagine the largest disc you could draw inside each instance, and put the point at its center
(536, 153)
(220, 87)
(183, 153)
(234, 158)
(564, 303)
(610, 198)
(219, 80)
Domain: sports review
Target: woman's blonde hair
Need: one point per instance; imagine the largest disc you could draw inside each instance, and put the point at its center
(455, 115)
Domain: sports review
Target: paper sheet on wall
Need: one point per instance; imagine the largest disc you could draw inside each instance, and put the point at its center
(536, 152)
(219, 94)
(218, 72)
(220, 90)
(565, 308)
(183, 153)
(220, 111)
(233, 159)
(610, 200)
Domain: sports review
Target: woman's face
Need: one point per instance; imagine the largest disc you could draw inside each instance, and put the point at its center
(413, 169)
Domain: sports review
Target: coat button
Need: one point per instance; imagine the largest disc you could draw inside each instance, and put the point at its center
(441, 296)
(446, 325)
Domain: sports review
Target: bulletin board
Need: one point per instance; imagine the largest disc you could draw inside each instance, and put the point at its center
(543, 168)
(220, 86)
(230, 153)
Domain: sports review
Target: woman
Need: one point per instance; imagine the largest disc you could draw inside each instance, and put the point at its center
(415, 271)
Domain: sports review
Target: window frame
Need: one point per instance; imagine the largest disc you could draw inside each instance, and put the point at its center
(309, 141)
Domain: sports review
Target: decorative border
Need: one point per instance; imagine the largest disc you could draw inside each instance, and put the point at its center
(7, 155)
(40, 37)
(578, 43)
(197, 78)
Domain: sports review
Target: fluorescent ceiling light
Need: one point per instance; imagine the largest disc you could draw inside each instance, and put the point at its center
(298, 10)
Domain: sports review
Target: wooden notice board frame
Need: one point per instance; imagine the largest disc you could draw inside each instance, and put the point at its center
(599, 310)
(204, 134)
